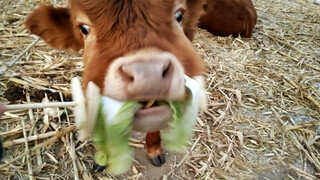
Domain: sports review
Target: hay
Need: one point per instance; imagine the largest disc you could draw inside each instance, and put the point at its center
(262, 120)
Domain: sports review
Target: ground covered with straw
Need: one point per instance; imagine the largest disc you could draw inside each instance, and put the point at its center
(262, 120)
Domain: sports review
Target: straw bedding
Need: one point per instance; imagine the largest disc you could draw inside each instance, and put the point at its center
(262, 120)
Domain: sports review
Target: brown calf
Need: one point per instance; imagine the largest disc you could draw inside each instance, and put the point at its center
(133, 49)
(229, 17)
(221, 17)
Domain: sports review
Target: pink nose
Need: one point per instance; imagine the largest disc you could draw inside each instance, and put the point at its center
(147, 79)
(144, 76)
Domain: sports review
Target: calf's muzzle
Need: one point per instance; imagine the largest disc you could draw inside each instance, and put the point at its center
(145, 75)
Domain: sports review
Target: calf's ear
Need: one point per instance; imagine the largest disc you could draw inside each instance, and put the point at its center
(54, 26)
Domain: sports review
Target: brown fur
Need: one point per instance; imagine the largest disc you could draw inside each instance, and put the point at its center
(229, 17)
(153, 143)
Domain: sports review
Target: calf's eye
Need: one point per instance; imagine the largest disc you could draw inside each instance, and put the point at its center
(84, 29)
(178, 16)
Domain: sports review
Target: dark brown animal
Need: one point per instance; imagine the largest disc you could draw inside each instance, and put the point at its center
(222, 17)
(133, 49)
(229, 17)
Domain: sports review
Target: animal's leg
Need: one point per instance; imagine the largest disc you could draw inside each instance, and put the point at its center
(153, 141)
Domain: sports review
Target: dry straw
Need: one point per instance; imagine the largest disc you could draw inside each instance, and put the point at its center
(262, 119)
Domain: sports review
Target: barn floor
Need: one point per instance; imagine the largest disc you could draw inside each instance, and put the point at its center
(262, 120)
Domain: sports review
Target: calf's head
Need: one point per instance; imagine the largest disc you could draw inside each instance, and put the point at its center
(133, 49)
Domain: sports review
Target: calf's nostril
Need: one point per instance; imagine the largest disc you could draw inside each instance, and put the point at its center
(126, 76)
(167, 70)
(131, 78)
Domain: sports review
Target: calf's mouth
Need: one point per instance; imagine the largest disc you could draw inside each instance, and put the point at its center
(152, 116)
(151, 77)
